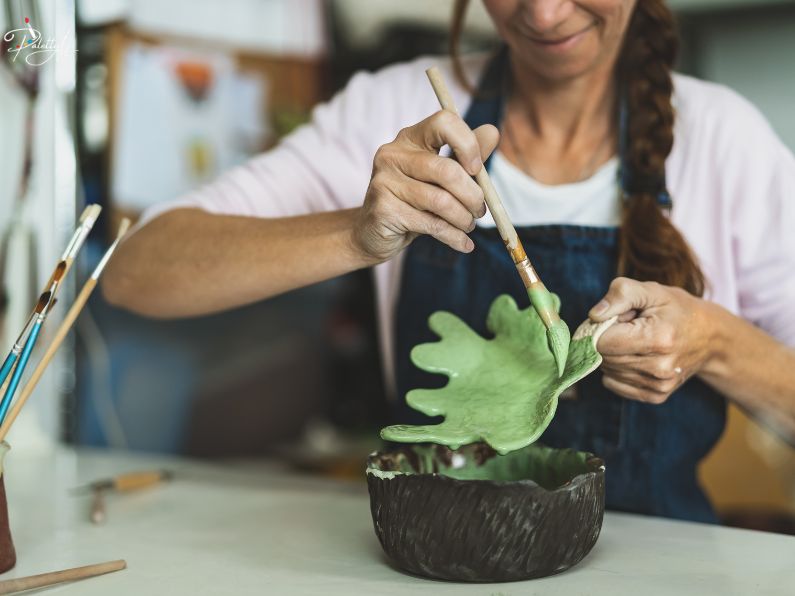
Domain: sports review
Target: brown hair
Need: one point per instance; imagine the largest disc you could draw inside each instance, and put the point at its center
(651, 248)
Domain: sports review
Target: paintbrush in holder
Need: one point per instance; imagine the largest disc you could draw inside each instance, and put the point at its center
(29, 335)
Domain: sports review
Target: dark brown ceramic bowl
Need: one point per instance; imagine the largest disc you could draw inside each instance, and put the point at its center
(472, 515)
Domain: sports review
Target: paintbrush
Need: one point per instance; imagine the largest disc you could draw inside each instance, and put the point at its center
(11, 359)
(66, 325)
(85, 223)
(22, 584)
(39, 315)
(46, 302)
(30, 342)
(558, 335)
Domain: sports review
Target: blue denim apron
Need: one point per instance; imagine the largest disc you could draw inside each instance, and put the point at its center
(651, 451)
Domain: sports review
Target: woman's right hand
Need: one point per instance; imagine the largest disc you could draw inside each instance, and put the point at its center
(413, 190)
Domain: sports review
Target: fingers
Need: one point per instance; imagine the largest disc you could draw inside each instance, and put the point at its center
(630, 391)
(626, 295)
(422, 222)
(437, 201)
(643, 336)
(445, 128)
(661, 368)
(650, 380)
(488, 138)
(444, 173)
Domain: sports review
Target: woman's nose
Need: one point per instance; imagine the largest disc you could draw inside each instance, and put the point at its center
(543, 16)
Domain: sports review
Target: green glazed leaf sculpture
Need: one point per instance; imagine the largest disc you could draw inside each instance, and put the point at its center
(503, 391)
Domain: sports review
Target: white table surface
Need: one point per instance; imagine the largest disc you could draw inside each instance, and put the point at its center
(257, 529)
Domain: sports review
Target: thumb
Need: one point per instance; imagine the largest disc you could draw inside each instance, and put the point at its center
(488, 138)
(625, 295)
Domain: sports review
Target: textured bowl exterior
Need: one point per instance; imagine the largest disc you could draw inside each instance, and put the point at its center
(485, 531)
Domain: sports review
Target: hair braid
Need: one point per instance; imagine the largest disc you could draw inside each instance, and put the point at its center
(651, 248)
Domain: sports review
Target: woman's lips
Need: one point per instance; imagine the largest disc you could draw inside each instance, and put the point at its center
(560, 44)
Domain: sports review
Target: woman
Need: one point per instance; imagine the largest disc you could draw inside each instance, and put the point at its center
(597, 136)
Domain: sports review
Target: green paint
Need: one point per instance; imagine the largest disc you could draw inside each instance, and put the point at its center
(559, 337)
(503, 391)
(558, 334)
(543, 300)
(550, 468)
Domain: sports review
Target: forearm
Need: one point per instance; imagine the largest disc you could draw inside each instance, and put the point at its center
(752, 369)
(188, 262)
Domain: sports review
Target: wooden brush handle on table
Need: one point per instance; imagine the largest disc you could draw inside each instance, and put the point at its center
(11, 586)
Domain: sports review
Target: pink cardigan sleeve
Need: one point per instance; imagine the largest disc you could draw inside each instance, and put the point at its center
(761, 181)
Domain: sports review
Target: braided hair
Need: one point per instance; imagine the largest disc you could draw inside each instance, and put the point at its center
(650, 248)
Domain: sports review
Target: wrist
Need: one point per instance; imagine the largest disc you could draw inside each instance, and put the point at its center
(353, 246)
(718, 339)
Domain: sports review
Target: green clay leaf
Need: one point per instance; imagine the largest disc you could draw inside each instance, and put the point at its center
(503, 391)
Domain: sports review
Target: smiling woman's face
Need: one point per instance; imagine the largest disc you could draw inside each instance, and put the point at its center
(561, 39)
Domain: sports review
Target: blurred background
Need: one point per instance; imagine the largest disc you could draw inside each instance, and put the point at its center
(143, 100)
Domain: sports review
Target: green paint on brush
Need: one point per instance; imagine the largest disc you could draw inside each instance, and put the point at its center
(558, 335)
(558, 338)
(503, 391)
(544, 301)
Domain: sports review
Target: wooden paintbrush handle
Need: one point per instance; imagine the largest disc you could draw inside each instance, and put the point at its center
(498, 213)
(137, 480)
(10, 586)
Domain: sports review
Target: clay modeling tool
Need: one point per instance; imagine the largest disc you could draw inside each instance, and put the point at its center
(21, 584)
(121, 484)
(557, 331)
(132, 481)
(97, 514)
(66, 325)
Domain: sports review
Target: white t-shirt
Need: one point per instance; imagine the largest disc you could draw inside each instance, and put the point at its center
(592, 202)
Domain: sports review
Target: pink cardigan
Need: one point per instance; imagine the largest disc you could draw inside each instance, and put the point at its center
(731, 178)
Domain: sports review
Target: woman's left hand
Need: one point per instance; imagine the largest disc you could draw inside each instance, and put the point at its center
(663, 337)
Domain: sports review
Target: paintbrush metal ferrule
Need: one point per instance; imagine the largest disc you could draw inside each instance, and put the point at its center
(527, 273)
(41, 305)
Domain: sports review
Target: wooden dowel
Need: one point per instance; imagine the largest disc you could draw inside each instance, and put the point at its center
(498, 213)
(10, 586)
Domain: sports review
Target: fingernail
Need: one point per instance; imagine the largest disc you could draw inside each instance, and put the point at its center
(474, 166)
(469, 245)
(600, 308)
